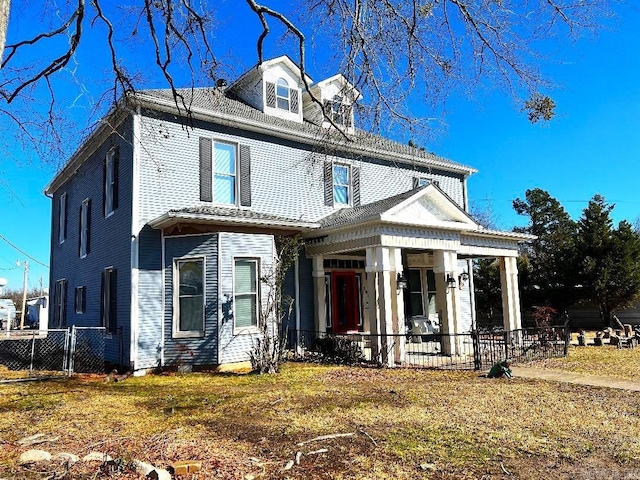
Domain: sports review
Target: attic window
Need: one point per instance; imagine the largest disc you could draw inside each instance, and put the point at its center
(338, 111)
(282, 94)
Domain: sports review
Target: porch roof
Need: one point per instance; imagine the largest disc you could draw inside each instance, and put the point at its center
(210, 215)
(422, 219)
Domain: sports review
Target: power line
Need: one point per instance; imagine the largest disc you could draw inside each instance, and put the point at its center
(23, 252)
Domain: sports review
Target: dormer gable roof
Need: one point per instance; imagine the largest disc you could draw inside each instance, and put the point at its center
(257, 70)
(341, 81)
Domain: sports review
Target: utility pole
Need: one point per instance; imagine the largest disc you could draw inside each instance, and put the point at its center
(24, 294)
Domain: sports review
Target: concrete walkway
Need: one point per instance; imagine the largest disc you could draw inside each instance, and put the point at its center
(577, 378)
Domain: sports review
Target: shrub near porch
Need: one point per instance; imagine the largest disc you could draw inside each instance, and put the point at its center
(453, 424)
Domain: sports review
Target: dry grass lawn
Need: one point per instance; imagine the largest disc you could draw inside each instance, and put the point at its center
(454, 424)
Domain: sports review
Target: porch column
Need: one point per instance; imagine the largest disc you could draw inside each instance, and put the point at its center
(372, 305)
(446, 263)
(397, 306)
(319, 287)
(510, 294)
(383, 261)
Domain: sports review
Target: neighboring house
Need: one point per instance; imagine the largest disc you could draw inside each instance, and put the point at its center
(162, 225)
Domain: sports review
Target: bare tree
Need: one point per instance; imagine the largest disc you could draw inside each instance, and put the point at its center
(394, 52)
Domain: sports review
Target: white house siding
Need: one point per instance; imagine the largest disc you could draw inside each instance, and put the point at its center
(234, 346)
(202, 350)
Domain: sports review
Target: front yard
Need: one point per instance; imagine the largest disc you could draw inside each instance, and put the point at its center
(406, 424)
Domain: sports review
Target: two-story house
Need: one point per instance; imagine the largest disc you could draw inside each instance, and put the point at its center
(163, 223)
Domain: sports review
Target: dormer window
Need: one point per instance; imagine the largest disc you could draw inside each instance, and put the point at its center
(282, 97)
(338, 111)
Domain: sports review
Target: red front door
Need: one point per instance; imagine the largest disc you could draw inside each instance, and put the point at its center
(344, 292)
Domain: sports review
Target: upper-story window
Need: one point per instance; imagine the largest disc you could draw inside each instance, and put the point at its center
(224, 173)
(283, 97)
(85, 226)
(422, 181)
(338, 111)
(341, 184)
(62, 218)
(110, 182)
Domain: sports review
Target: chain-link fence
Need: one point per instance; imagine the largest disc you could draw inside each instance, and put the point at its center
(35, 353)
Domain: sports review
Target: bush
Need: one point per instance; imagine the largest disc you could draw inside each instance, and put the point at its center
(339, 350)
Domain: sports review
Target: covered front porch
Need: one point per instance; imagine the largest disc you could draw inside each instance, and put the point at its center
(398, 274)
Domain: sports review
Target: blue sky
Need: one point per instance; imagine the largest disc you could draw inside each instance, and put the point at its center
(592, 146)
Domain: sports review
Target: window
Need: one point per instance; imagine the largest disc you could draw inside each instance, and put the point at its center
(422, 282)
(422, 181)
(81, 299)
(110, 182)
(60, 304)
(85, 225)
(341, 184)
(338, 111)
(109, 299)
(245, 286)
(282, 94)
(188, 297)
(415, 292)
(62, 218)
(224, 173)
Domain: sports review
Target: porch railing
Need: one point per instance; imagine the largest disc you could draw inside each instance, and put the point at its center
(476, 350)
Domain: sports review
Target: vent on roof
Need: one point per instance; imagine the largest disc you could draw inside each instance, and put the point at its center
(221, 83)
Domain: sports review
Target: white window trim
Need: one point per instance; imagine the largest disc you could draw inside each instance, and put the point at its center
(108, 185)
(349, 185)
(62, 218)
(236, 166)
(176, 332)
(84, 228)
(252, 329)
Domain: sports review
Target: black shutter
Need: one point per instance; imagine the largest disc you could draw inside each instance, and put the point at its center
(328, 183)
(88, 226)
(103, 309)
(56, 305)
(84, 299)
(80, 232)
(355, 172)
(116, 168)
(294, 100)
(206, 173)
(245, 176)
(104, 187)
(271, 94)
(66, 216)
(113, 304)
(416, 182)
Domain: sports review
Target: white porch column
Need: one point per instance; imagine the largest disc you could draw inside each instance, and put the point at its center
(384, 304)
(372, 297)
(397, 296)
(510, 293)
(446, 263)
(319, 287)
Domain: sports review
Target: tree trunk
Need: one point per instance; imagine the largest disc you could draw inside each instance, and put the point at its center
(4, 23)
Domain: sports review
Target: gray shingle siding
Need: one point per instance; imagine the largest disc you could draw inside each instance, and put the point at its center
(235, 346)
(287, 177)
(110, 241)
(196, 351)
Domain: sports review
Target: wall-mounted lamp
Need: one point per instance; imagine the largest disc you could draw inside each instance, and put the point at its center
(451, 282)
(401, 282)
(462, 280)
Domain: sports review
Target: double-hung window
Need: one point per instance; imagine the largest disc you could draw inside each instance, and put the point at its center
(110, 182)
(81, 299)
(109, 300)
(224, 173)
(245, 286)
(85, 225)
(189, 297)
(62, 218)
(60, 304)
(341, 184)
(339, 111)
(282, 94)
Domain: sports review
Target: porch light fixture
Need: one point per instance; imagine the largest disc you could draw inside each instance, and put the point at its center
(462, 280)
(451, 282)
(401, 282)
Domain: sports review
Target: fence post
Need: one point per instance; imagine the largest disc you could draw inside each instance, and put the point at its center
(477, 359)
(72, 349)
(33, 350)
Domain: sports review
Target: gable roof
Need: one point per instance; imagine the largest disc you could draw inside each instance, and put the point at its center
(215, 105)
(433, 207)
(258, 68)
